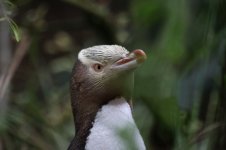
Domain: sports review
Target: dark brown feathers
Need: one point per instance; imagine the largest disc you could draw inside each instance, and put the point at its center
(85, 104)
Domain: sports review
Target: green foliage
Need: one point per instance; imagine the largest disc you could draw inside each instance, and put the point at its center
(15, 29)
(6, 7)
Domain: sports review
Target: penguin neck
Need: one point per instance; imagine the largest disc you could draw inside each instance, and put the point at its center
(85, 115)
(85, 106)
(84, 112)
(114, 115)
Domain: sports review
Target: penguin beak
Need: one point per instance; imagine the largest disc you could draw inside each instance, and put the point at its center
(131, 61)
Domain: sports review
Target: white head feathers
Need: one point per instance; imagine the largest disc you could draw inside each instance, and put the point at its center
(102, 54)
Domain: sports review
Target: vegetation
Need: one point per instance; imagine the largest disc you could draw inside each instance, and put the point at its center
(179, 93)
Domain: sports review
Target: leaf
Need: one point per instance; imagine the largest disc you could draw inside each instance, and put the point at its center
(2, 19)
(15, 29)
(9, 3)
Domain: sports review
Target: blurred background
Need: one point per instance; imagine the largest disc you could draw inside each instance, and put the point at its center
(179, 93)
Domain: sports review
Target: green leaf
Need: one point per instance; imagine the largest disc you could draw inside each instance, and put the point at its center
(15, 29)
(9, 3)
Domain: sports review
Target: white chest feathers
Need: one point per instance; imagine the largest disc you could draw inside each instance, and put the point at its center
(115, 129)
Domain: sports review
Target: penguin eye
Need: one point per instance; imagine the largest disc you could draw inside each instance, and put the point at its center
(98, 67)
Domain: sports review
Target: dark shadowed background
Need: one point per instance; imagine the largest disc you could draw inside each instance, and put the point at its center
(179, 93)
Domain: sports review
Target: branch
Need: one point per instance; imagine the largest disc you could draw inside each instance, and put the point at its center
(17, 58)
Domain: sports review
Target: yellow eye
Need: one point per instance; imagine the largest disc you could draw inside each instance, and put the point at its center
(98, 67)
